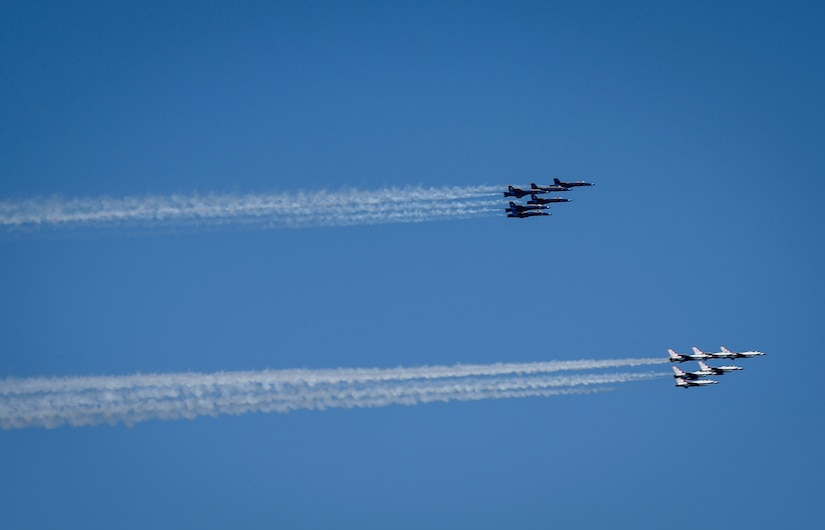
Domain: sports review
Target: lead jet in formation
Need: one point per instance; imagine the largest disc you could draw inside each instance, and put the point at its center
(684, 357)
(547, 200)
(727, 354)
(738, 355)
(572, 184)
(687, 383)
(717, 370)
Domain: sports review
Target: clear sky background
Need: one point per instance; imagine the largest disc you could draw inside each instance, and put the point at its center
(701, 124)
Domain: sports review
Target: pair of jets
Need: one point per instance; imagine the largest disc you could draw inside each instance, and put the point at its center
(536, 205)
(697, 378)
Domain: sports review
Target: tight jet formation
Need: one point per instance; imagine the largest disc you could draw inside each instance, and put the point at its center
(688, 379)
(538, 206)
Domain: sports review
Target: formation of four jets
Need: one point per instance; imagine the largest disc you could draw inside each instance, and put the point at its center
(537, 206)
(697, 378)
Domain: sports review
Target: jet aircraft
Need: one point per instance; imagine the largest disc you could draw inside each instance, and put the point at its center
(572, 184)
(518, 193)
(682, 357)
(690, 376)
(548, 189)
(738, 355)
(524, 207)
(686, 383)
(716, 370)
(727, 354)
(548, 200)
(523, 214)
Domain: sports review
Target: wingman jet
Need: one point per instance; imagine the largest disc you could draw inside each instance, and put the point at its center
(678, 373)
(548, 200)
(716, 370)
(524, 207)
(528, 213)
(518, 193)
(572, 184)
(548, 189)
(682, 357)
(686, 383)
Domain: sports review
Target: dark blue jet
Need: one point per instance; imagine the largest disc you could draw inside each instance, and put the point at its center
(548, 200)
(572, 184)
(524, 207)
(518, 193)
(548, 189)
(528, 213)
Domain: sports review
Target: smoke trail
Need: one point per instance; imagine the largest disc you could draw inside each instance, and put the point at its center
(268, 210)
(132, 399)
(13, 386)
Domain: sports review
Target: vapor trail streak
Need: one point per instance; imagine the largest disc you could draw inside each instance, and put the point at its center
(14, 386)
(132, 399)
(269, 210)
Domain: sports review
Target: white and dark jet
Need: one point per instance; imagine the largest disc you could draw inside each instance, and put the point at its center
(572, 184)
(727, 354)
(686, 383)
(697, 355)
(716, 370)
(545, 200)
(678, 373)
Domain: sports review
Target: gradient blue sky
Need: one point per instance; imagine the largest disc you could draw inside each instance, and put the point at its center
(702, 125)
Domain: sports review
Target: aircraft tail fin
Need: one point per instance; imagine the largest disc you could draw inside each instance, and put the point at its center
(678, 371)
(534, 185)
(557, 181)
(725, 350)
(697, 351)
(673, 355)
(703, 365)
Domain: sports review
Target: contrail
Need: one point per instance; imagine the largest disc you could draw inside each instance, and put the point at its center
(14, 386)
(265, 210)
(52, 402)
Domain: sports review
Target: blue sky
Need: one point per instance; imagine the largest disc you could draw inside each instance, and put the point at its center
(701, 124)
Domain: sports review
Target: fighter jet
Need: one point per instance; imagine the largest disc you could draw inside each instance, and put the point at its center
(524, 207)
(727, 354)
(682, 357)
(523, 214)
(548, 200)
(685, 383)
(572, 184)
(518, 193)
(548, 189)
(716, 370)
(678, 373)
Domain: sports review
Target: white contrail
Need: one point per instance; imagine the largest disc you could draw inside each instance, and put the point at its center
(268, 210)
(16, 386)
(131, 399)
